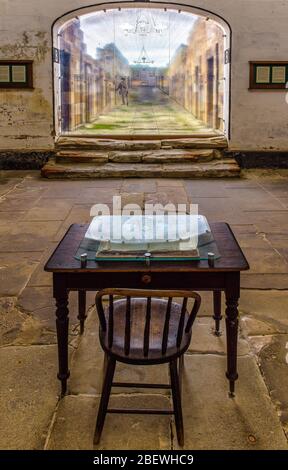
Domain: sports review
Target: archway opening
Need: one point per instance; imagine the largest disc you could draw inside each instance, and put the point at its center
(144, 69)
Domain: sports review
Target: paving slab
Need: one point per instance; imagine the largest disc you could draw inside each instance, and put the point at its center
(273, 359)
(132, 198)
(133, 186)
(206, 188)
(170, 183)
(253, 325)
(76, 418)
(7, 183)
(270, 222)
(247, 422)
(264, 281)
(265, 260)
(255, 199)
(13, 216)
(27, 192)
(11, 320)
(29, 236)
(269, 306)
(28, 395)
(16, 270)
(39, 302)
(97, 195)
(213, 205)
(174, 196)
(39, 277)
(16, 204)
(277, 188)
(45, 211)
(204, 340)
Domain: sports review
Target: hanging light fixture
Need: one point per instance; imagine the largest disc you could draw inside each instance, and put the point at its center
(145, 24)
(143, 58)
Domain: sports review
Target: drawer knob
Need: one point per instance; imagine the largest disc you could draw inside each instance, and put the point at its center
(146, 279)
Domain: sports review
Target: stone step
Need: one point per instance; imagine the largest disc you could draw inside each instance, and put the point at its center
(227, 168)
(90, 143)
(96, 144)
(142, 136)
(134, 156)
(82, 156)
(219, 142)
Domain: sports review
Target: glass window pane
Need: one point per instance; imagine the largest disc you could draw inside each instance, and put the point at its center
(263, 74)
(279, 74)
(19, 73)
(4, 74)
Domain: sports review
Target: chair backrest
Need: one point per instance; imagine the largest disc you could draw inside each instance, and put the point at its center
(148, 294)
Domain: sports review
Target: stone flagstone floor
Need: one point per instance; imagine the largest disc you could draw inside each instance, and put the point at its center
(34, 215)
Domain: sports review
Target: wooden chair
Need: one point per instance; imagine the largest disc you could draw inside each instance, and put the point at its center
(143, 329)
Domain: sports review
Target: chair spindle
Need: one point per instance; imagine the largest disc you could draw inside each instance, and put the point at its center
(127, 326)
(147, 327)
(192, 317)
(181, 322)
(166, 326)
(110, 321)
(100, 311)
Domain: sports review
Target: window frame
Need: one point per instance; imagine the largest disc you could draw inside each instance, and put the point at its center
(28, 84)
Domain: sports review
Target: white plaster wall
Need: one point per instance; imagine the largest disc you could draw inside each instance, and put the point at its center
(259, 119)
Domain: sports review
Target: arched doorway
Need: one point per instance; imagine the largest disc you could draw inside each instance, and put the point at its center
(142, 68)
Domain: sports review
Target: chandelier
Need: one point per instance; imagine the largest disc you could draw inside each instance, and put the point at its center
(145, 25)
(143, 58)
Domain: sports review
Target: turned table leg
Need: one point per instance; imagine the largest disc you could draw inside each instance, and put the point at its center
(217, 311)
(232, 297)
(62, 324)
(82, 309)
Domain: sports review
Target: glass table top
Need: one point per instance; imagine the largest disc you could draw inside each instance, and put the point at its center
(148, 238)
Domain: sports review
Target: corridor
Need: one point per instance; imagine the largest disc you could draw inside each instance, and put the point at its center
(149, 111)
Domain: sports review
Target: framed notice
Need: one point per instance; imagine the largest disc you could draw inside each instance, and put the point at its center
(279, 74)
(268, 75)
(16, 74)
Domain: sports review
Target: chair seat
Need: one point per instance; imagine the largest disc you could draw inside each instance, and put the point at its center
(137, 326)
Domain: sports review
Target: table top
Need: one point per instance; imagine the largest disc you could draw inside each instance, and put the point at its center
(63, 259)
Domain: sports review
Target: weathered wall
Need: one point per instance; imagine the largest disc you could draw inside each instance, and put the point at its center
(258, 119)
(88, 88)
(192, 84)
(26, 115)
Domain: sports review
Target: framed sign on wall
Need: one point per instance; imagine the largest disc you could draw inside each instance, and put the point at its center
(268, 75)
(16, 74)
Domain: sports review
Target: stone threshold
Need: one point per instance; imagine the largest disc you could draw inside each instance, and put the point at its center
(94, 143)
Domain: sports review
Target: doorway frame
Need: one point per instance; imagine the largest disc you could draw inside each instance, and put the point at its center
(60, 21)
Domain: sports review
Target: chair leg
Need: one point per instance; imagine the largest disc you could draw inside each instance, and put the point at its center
(180, 372)
(106, 390)
(176, 396)
(104, 370)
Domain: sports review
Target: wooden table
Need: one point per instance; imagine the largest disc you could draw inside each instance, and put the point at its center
(197, 275)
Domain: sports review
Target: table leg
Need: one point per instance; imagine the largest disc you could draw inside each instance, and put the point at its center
(232, 296)
(62, 324)
(217, 311)
(82, 309)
